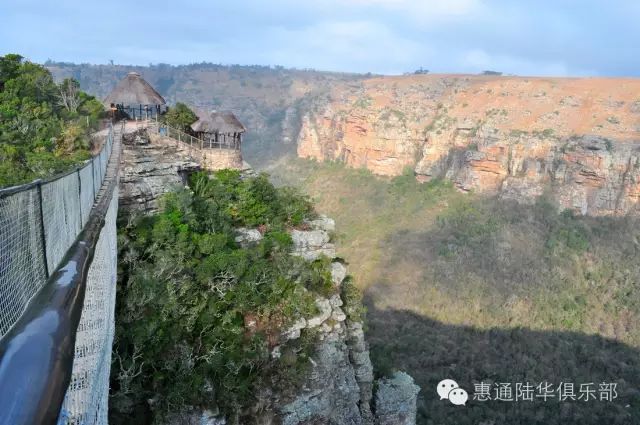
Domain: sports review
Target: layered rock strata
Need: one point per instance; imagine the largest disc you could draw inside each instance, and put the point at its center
(578, 139)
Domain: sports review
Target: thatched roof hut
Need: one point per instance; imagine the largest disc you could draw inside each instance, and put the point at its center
(218, 122)
(134, 96)
(134, 90)
(219, 130)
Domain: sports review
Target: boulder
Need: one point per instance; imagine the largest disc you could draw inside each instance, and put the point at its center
(311, 244)
(247, 237)
(395, 400)
(325, 312)
(338, 273)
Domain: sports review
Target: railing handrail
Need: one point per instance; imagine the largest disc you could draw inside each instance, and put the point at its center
(202, 147)
(191, 137)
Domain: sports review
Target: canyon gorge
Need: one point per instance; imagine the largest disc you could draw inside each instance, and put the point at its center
(573, 138)
(434, 182)
(513, 136)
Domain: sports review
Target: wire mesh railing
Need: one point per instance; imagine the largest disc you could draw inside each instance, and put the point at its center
(86, 401)
(38, 223)
(58, 248)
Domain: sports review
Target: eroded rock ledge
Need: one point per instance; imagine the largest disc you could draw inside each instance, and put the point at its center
(339, 387)
(151, 166)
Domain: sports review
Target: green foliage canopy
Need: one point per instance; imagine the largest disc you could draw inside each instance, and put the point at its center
(180, 117)
(197, 313)
(44, 127)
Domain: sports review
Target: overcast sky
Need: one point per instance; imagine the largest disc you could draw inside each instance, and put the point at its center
(525, 37)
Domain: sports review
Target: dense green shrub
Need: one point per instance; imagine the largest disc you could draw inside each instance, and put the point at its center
(197, 313)
(352, 299)
(180, 116)
(254, 201)
(44, 126)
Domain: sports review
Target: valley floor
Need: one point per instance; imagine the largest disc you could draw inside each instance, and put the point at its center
(482, 291)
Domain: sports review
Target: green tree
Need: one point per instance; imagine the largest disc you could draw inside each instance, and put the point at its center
(44, 127)
(180, 117)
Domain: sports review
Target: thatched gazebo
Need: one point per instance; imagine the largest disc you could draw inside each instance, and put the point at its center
(219, 130)
(134, 98)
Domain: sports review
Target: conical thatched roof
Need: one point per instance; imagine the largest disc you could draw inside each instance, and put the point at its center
(134, 90)
(221, 122)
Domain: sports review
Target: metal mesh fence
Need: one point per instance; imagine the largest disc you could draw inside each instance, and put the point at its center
(22, 270)
(38, 223)
(86, 401)
(87, 193)
(62, 218)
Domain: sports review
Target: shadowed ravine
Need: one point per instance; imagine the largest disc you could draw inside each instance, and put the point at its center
(432, 351)
(480, 299)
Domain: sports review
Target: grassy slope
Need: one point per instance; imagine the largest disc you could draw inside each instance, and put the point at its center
(478, 290)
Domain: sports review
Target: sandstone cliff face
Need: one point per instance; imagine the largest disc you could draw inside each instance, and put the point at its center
(338, 388)
(151, 166)
(577, 138)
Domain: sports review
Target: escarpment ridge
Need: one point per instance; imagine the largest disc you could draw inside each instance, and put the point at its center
(574, 138)
(577, 138)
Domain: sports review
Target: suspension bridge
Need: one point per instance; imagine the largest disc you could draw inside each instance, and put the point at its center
(58, 267)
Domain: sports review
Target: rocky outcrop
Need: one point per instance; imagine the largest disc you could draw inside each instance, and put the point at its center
(339, 388)
(577, 139)
(311, 244)
(151, 166)
(396, 400)
(154, 164)
(247, 237)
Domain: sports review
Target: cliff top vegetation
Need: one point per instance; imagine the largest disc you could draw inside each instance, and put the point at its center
(197, 313)
(44, 127)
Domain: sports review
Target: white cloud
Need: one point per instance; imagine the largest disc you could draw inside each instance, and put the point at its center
(347, 46)
(382, 36)
(418, 13)
(432, 7)
(478, 60)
